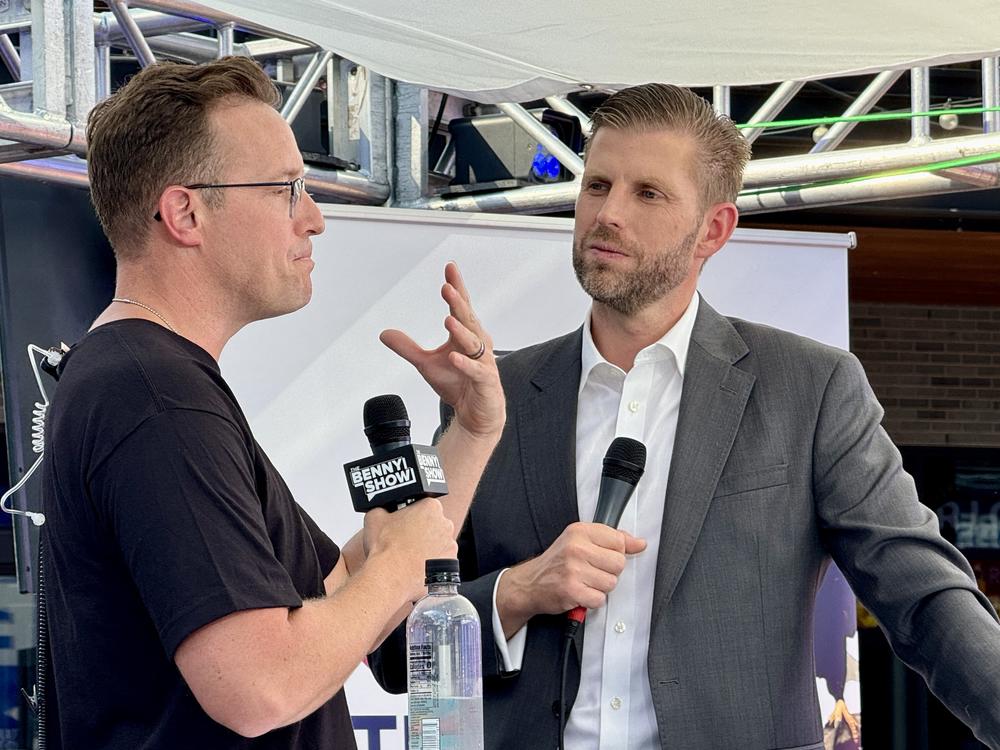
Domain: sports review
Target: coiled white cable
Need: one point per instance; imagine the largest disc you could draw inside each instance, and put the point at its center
(53, 357)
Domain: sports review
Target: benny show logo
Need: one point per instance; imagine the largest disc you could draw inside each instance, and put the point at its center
(395, 472)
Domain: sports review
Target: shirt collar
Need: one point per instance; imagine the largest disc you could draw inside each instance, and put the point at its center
(676, 341)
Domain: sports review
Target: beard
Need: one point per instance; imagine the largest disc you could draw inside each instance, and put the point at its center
(656, 273)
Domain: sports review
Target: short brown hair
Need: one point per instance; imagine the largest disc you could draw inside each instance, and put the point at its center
(722, 151)
(154, 132)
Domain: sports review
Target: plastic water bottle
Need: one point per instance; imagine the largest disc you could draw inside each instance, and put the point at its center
(444, 665)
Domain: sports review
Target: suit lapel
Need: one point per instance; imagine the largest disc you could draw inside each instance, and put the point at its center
(546, 425)
(713, 398)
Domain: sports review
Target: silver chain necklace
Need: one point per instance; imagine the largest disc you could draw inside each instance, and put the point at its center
(128, 301)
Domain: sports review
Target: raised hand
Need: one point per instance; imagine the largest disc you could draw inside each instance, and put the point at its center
(462, 371)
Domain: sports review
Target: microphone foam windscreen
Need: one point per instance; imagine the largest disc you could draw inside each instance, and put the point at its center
(386, 420)
(625, 460)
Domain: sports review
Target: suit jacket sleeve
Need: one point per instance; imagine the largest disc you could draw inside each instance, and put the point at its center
(889, 547)
(475, 587)
(388, 661)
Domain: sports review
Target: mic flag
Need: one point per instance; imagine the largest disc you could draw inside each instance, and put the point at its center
(398, 472)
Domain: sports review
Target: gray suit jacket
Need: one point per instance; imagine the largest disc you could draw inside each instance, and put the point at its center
(779, 464)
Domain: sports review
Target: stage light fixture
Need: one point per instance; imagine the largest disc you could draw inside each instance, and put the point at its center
(948, 121)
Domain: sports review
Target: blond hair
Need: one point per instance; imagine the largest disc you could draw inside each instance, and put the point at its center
(722, 152)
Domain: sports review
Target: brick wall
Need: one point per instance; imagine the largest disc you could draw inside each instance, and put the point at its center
(936, 370)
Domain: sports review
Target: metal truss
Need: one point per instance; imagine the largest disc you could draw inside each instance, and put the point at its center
(67, 41)
(378, 129)
(822, 176)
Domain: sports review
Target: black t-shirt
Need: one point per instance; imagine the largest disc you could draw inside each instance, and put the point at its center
(162, 515)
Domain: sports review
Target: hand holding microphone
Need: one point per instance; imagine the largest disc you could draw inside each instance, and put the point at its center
(394, 477)
(417, 533)
(582, 565)
(624, 464)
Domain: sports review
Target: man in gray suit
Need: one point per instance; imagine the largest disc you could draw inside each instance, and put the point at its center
(765, 461)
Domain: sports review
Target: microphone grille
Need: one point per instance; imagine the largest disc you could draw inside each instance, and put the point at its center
(625, 460)
(386, 420)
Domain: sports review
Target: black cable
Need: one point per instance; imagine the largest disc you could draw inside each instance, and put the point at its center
(571, 627)
(36, 698)
(440, 114)
(42, 654)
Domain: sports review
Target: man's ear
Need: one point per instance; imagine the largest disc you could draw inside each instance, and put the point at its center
(717, 227)
(180, 215)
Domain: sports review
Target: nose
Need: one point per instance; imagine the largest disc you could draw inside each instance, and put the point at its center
(612, 210)
(310, 216)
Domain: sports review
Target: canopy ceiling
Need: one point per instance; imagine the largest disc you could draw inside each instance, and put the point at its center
(517, 50)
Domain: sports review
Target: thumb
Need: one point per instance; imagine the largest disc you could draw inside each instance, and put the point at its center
(633, 544)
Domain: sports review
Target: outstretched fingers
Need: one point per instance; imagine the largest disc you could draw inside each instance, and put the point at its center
(455, 293)
(403, 345)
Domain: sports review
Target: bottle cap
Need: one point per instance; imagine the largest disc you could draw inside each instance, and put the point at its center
(441, 570)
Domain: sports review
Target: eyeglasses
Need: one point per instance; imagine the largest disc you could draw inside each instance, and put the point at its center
(295, 187)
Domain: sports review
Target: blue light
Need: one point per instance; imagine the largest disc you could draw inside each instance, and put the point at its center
(545, 166)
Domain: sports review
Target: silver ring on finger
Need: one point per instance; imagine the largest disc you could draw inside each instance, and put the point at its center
(480, 353)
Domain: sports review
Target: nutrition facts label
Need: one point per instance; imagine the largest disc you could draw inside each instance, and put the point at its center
(425, 727)
(421, 660)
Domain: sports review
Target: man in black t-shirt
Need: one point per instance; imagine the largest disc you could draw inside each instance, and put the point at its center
(192, 603)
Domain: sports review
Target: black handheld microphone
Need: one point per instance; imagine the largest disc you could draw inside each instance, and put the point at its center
(398, 472)
(624, 464)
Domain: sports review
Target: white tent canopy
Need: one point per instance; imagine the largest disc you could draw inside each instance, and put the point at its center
(516, 50)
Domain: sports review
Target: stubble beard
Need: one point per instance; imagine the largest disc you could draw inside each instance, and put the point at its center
(271, 297)
(656, 272)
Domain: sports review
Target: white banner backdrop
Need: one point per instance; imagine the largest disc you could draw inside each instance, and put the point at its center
(302, 379)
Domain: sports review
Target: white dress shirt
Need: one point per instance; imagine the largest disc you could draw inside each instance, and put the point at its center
(614, 706)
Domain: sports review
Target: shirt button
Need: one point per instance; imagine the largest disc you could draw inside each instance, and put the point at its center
(619, 627)
(633, 406)
(616, 703)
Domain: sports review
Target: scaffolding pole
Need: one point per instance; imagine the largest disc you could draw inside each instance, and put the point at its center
(303, 88)
(48, 57)
(786, 170)
(991, 94)
(920, 101)
(770, 109)
(523, 118)
(883, 188)
(722, 100)
(107, 29)
(132, 33)
(10, 57)
(860, 106)
(225, 40)
(82, 61)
